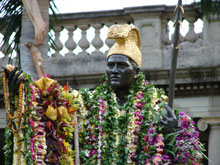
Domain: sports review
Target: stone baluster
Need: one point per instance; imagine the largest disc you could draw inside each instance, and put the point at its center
(97, 42)
(214, 140)
(83, 42)
(191, 35)
(70, 43)
(58, 44)
(109, 42)
(165, 37)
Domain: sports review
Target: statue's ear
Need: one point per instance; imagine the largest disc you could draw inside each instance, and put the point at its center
(137, 72)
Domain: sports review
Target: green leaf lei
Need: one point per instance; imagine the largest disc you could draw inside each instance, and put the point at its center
(111, 124)
(27, 131)
(113, 134)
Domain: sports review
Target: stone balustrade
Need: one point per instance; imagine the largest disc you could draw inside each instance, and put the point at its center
(82, 51)
(91, 30)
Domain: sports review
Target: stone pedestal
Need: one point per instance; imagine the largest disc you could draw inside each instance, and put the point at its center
(214, 138)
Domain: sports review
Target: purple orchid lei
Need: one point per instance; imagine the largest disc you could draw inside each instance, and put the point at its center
(132, 133)
(38, 139)
(51, 139)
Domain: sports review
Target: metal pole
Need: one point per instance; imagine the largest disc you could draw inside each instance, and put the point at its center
(175, 50)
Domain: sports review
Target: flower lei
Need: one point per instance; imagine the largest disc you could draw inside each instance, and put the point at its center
(53, 124)
(40, 122)
(18, 130)
(113, 134)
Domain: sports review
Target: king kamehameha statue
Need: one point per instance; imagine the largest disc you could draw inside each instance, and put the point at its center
(126, 120)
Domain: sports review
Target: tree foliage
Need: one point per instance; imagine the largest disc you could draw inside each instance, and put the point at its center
(10, 26)
(209, 8)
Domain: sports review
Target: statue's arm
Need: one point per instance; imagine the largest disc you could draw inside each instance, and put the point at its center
(169, 120)
(182, 128)
(14, 77)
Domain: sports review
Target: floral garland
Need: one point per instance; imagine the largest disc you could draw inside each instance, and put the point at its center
(43, 115)
(53, 123)
(17, 131)
(113, 134)
(40, 122)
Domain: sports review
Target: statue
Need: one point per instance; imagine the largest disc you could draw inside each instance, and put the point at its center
(125, 120)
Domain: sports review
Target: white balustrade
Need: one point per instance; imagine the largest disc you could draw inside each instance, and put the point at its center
(58, 43)
(97, 42)
(78, 38)
(191, 35)
(70, 44)
(83, 42)
(109, 42)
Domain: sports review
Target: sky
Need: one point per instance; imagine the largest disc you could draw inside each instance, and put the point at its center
(68, 6)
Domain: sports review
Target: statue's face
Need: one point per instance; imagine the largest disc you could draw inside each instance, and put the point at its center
(120, 72)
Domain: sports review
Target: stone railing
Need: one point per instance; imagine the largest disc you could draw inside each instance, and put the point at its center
(87, 55)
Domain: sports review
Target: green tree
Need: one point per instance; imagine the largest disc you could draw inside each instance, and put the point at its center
(209, 7)
(18, 29)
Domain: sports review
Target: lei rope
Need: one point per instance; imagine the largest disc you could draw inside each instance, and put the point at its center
(19, 110)
(18, 115)
(16, 133)
(113, 134)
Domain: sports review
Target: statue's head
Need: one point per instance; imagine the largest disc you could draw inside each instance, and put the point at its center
(121, 71)
(124, 57)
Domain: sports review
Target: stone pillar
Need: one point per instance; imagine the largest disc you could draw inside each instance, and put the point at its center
(214, 144)
(150, 27)
(214, 138)
(211, 28)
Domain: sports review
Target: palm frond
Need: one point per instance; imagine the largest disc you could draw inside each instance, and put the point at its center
(10, 26)
(53, 18)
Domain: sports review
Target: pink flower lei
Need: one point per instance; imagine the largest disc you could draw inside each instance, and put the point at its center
(144, 139)
(38, 140)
